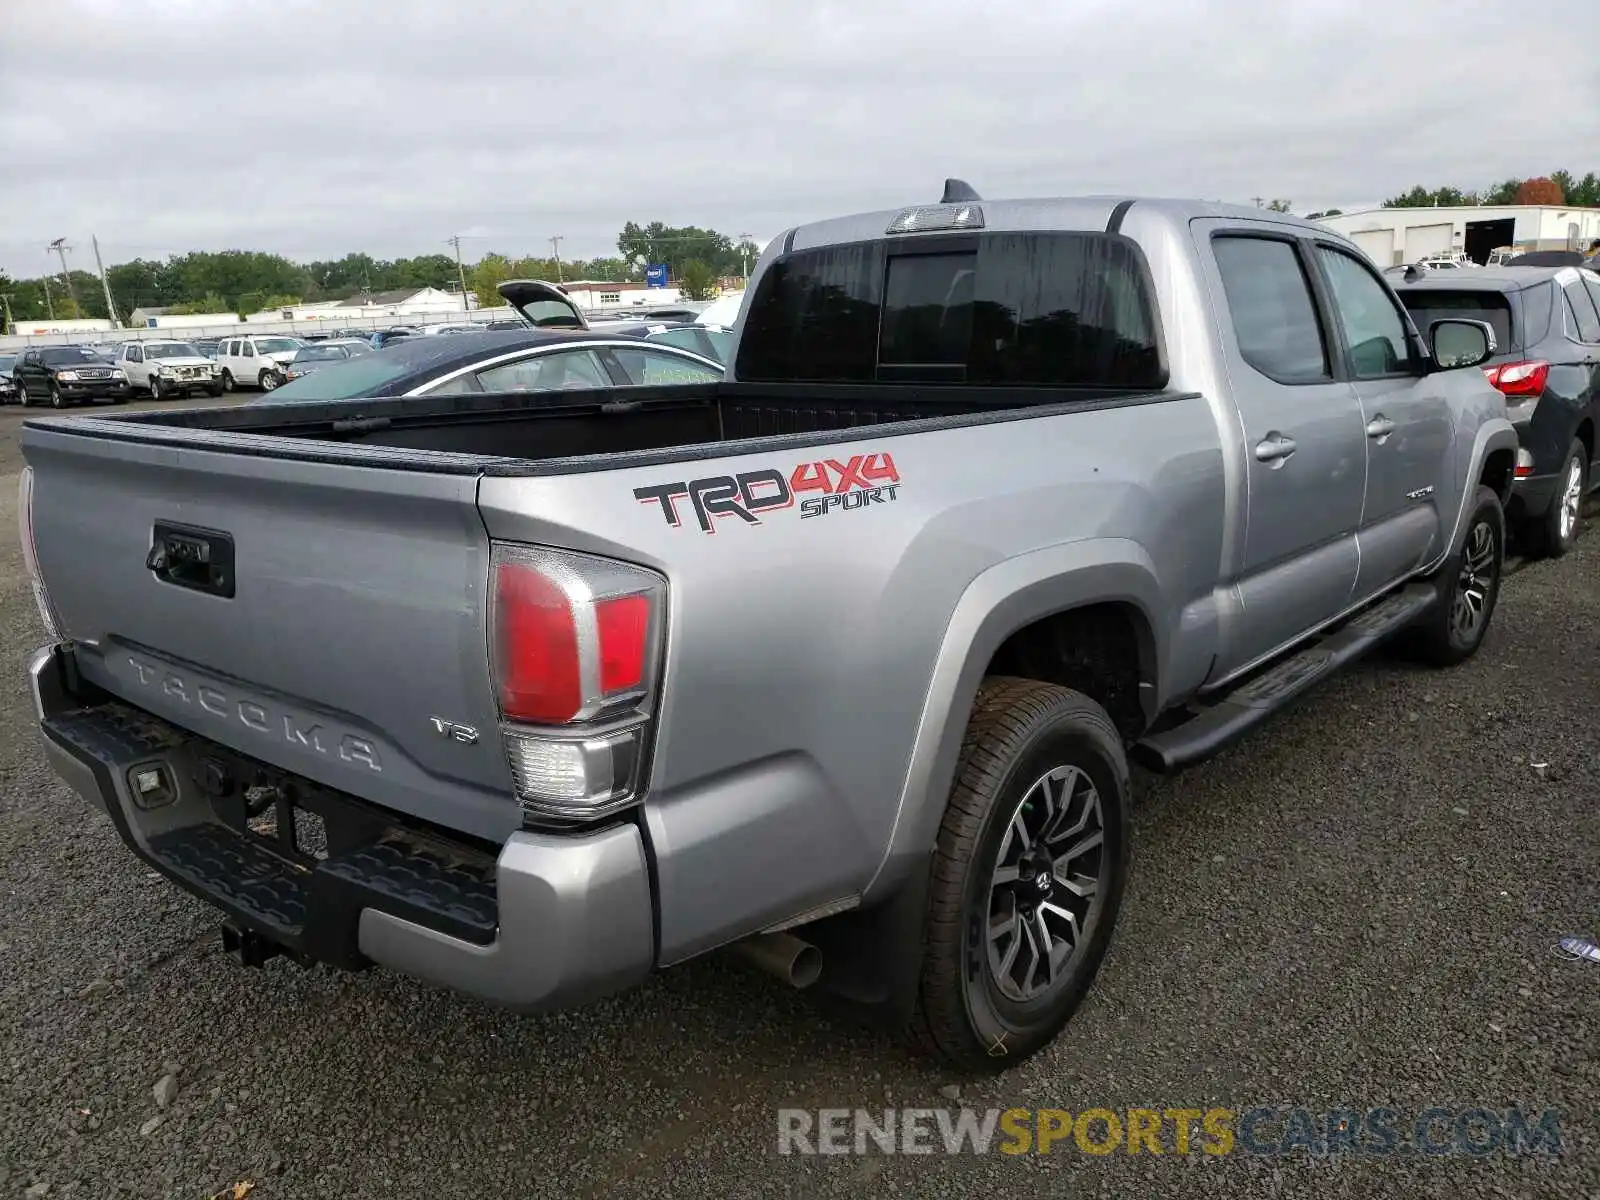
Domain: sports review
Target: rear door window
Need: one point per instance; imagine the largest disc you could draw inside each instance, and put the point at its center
(1428, 305)
(1269, 301)
(1007, 309)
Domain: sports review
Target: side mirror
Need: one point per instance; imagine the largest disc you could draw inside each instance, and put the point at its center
(1460, 343)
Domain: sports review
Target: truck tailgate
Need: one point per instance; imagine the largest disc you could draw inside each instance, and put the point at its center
(356, 614)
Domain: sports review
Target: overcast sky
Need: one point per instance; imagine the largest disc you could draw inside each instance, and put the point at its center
(313, 129)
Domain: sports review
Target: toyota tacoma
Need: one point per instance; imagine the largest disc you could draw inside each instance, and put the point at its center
(840, 660)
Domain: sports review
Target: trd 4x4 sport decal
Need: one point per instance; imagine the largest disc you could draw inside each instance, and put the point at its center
(865, 480)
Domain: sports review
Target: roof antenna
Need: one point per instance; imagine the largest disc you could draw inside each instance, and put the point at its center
(958, 191)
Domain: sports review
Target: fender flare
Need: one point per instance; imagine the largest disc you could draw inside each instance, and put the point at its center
(994, 605)
(1495, 434)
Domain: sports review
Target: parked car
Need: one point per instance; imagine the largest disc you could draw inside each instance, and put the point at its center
(458, 327)
(207, 347)
(255, 361)
(708, 341)
(1183, 462)
(310, 358)
(385, 337)
(723, 311)
(8, 388)
(169, 369)
(1546, 322)
(63, 375)
(530, 361)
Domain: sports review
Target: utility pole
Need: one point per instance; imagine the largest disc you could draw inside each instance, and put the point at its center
(49, 305)
(555, 252)
(60, 247)
(744, 256)
(5, 304)
(111, 309)
(461, 272)
(1257, 199)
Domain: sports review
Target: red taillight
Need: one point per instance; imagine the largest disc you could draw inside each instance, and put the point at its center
(573, 636)
(536, 647)
(624, 628)
(1519, 378)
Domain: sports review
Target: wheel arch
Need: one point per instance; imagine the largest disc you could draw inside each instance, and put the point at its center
(1004, 614)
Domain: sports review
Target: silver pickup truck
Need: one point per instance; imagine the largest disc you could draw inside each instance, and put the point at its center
(840, 661)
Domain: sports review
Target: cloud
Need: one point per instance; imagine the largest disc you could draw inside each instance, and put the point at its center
(316, 129)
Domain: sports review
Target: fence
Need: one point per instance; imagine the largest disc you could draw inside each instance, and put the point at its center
(356, 325)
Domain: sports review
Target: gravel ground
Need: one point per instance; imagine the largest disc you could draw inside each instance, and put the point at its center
(1355, 908)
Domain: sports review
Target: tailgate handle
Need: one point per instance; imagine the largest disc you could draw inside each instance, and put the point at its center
(188, 557)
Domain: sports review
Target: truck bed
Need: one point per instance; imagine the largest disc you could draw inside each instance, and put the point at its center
(561, 432)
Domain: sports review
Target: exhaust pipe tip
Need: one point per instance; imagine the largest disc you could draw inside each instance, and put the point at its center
(797, 963)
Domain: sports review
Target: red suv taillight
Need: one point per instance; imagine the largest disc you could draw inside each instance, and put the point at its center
(575, 644)
(30, 555)
(1520, 378)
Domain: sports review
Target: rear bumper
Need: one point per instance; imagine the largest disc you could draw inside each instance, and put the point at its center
(1531, 496)
(549, 921)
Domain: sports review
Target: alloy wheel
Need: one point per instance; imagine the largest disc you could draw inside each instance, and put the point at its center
(1046, 883)
(1470, 603)
(1571, 500)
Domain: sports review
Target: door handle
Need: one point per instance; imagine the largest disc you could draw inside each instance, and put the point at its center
(1274, 448)
(1380, 427)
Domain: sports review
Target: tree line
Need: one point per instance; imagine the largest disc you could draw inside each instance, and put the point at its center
(1558, 187)
(245, 281)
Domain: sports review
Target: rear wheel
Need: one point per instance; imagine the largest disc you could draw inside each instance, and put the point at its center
(1028, 875)
(1556, 532)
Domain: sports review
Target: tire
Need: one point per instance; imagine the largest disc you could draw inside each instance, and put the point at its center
(227, 380)
(1556, 532)
(1023, 736)
(214, 391)
(57, 400)
(268, 380)
(156, 392)
(1444, 638)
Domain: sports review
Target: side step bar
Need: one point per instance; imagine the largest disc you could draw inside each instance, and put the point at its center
(1223, 720)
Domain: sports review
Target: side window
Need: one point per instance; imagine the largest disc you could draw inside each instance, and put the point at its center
(1269, 299)
(546, 373)
(135, 353)
(461, 384)
(247, 349)
(1373, 326)
(1583, 311)
(651, 368)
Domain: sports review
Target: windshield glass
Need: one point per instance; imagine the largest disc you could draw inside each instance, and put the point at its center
(275, 345)
(320, 353)
(171, 350)
(64, 355)
(7, 361)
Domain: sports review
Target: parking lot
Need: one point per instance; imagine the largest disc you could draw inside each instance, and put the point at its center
(1355, 908)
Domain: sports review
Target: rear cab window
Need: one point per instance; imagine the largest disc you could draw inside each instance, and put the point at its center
(1492, 307)
(1000, 309)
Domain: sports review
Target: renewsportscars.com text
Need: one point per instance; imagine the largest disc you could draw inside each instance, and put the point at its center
(1440, 1130)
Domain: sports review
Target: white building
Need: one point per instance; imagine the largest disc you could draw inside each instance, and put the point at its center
(1405, 235)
